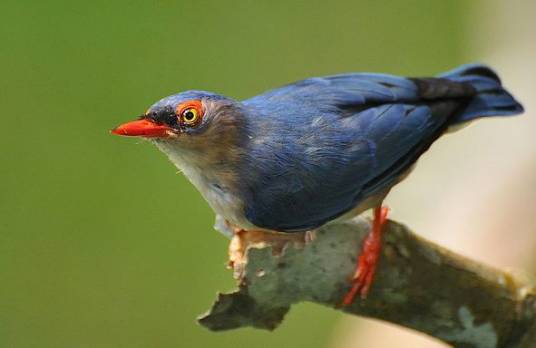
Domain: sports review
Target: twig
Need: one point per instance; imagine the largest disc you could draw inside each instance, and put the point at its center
(418, 285)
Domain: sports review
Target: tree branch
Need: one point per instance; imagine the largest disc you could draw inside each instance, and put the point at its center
(418, 285)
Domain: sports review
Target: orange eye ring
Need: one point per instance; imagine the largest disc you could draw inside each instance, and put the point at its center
(190, 113)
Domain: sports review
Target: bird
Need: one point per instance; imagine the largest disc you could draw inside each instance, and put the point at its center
(317, 151)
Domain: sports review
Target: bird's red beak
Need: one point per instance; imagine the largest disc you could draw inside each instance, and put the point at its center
(144, 128)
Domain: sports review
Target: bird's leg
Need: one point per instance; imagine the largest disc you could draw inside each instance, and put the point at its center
(368, 259)
(244, 239)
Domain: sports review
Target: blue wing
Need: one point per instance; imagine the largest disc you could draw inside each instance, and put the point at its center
(323, 145)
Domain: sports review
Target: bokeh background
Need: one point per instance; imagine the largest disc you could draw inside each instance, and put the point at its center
(103, 244)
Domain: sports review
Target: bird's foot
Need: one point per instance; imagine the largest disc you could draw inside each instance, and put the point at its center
(368, 259)
(245, 239)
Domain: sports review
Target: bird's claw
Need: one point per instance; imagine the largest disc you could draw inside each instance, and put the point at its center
(368, 259)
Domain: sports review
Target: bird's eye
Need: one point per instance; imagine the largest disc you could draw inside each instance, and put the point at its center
(190, 116)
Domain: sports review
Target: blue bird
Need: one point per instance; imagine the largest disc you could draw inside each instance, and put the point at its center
(316, 151)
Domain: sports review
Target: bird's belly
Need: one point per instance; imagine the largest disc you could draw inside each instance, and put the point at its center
(371, 202)
(227, 205)
(221, 200)
(363, 206)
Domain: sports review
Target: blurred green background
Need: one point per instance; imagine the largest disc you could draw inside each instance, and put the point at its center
(102, 244)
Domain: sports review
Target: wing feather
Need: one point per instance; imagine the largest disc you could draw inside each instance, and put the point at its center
(326, 144)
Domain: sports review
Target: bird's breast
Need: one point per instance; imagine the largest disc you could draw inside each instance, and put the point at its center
(225, 203)
(215, 185)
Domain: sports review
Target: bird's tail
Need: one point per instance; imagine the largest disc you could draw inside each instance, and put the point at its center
(491, 98)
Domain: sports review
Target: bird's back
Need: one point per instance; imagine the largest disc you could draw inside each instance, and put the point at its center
(321, 146)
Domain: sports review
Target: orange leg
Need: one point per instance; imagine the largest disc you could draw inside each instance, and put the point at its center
(368, 259)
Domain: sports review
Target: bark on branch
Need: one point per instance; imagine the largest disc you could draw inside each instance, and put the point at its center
(418, 285)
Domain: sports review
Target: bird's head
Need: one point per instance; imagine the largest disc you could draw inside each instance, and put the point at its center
(196, 126)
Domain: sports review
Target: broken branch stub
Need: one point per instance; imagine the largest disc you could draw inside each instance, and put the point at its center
(418, 285)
